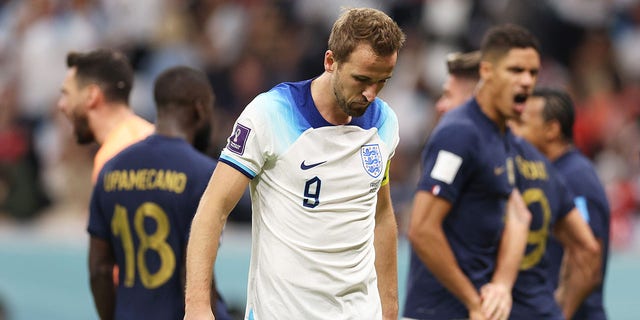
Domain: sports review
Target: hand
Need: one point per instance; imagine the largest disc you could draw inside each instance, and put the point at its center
(496, 301)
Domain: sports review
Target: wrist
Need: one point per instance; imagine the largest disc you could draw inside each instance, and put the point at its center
(474, 303)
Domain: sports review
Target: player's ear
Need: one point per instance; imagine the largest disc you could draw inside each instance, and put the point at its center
(202, 112)
(94, 96)
(486, 69)
(329, 61)
(553, 130)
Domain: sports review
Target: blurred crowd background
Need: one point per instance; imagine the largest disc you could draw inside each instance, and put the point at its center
(246, 46)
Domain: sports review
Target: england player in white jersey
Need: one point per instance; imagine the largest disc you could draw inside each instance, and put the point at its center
(316, 155)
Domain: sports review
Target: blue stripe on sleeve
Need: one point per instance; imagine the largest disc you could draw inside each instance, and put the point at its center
(238, 166)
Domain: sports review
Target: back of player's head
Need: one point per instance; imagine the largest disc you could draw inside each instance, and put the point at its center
(558, 106)
(465, 65)
(109, 69)
(500, 39)
(182, 86)
(365, 25)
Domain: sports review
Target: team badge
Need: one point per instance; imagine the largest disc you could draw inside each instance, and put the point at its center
(238, 139)
(371, 159)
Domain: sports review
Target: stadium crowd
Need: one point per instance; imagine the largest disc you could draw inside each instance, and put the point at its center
(247, 46)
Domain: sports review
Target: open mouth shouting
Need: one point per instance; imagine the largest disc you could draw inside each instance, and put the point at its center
(519, 100)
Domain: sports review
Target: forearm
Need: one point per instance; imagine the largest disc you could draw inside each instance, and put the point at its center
(434, 251)
(513, 242)
(386, 247)
(581, 269)
(201, 252)
(432, 247)
(214, 294)
(580, 274)
(496, 295)
(103, 290)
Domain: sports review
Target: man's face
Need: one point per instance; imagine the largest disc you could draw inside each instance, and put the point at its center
(455, 91)
(358, 80)
(511, 80)
(531, 125)
(73, 103)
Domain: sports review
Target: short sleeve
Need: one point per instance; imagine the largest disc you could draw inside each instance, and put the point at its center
(250, 142)
(447, 161)
(98, 224)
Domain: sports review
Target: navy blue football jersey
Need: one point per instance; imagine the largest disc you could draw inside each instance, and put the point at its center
(548, 199)
(465, 163)
(143, 204)
(591, 201)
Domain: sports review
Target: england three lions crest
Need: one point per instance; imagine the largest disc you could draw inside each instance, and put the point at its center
(371, 159)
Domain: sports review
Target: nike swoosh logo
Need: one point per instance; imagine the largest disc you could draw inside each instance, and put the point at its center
(498, 170)
(304, 166)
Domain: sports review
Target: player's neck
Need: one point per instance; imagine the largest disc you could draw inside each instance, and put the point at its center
(491, 111)
(489, 108)
(105, 119)
(555, 150)
(173, 129)
(325, 100)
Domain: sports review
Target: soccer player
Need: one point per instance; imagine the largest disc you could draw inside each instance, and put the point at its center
(462, 79)
(143, 203)
(95, 98)
(548, 124)
(466, 247)
(553, 212)
(316, 155)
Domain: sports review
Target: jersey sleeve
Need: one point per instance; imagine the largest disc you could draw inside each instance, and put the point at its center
(250, 142)
(447, 161)
(564, 195)
(390, 134)
(390, 129)
(592, 208)
(98, 225)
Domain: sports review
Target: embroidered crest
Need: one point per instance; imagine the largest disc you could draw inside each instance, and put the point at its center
(371, 159)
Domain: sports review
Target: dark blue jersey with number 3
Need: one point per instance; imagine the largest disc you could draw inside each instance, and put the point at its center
(548, 200)
(143, 204)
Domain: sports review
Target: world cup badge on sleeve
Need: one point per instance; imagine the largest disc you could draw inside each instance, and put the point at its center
(238, 139)
(371, 159)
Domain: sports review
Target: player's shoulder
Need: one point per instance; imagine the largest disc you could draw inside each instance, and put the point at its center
(383, 109)
(458, 124)
(574, 161)
(132, 151)
(279, 98)
(580, 173)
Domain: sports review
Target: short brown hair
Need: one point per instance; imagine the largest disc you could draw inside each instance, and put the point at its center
(367, 25)
(109, 69)
(466, 65)
(500, 39)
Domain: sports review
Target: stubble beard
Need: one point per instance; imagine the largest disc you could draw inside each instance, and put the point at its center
(83, 132)
(345, 106)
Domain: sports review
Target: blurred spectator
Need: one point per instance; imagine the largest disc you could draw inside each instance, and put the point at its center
(248, 46)
(21, 194)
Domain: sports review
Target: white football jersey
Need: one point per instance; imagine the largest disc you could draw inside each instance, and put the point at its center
(313, 191)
